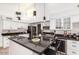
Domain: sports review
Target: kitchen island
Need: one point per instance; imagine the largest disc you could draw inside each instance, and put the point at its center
(37, 48)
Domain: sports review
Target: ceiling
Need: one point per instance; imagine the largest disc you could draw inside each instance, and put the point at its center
(9, 9)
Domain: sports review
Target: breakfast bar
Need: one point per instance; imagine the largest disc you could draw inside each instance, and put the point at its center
(37, 48)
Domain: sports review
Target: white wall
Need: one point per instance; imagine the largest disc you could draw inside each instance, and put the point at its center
(9, 9)
(40, 11)
(61, 10)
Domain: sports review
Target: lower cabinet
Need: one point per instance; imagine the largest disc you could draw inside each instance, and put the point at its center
(0, 41)
(16, 49)
(72, 47)
(72, 52)
(5, 42)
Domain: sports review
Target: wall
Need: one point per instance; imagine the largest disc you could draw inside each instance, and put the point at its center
(61, 10)
(9, 9)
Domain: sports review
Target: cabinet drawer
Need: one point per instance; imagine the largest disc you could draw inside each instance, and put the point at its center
(72, 42)
(73, 45)
(72, 52)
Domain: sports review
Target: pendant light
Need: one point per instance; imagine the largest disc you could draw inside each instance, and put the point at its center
(44, 17)
(34, 12)
(18, 13)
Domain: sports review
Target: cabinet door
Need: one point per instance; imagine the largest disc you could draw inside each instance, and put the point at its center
(1, 25)
(5, 42)
(1, 41)
(72, 47)
(56, 24)
(19, 25)
(52, 24)
(71, 44)
(59, 24)
(72, 52)
(25, 26)
(67, 23)
(13, 25)
(0, 32)
(6, 24)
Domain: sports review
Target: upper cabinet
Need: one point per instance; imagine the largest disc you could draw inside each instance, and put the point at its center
(13, 25)
(18, 25)
(60, 23)
(67, 23)
(6, 24)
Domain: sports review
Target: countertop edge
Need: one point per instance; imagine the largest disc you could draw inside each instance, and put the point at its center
(30, 48)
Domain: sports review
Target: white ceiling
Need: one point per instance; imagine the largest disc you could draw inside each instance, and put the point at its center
(59, 7)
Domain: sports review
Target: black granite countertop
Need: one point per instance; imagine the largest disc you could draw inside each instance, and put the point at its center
(13, 32)
(40, 48)
(64, 39)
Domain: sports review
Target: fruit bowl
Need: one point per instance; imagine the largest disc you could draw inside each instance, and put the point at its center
(35, 40)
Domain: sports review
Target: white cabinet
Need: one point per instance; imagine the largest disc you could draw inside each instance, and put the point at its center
(3, 25)
(6, 24)
(67, 23)
(45, 25)
(72, 47)
(0, 41)
(71, 44)
(52, 24)
(72, 52)
(19, 25)
(6, 42)
(60, 23)
(0, 26)
(16, 25)
(13, 25)
(0, 32)
(25, 26)
(16, 49)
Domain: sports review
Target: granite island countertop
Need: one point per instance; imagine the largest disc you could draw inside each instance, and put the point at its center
(39, 48)
(13, 32)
